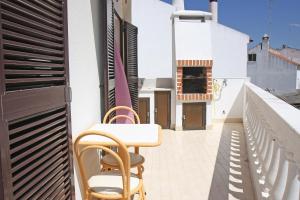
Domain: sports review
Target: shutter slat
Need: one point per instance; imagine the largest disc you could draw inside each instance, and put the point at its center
(48, 7)
(49, 156)
(131, 63)
(40, 137)
(17, 55)
(30, 48)
(19, 28)
(30, 39)
(7, 15)
(37, 174)
(33, 72)
(36, 8)
(50, 116)
(56, 144)
(54, 4)
(32, 188)
(16, 63)
(56, 187)
(30, 80)
(31, 15)
(56, 134)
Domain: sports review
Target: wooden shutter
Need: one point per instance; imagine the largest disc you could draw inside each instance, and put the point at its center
(109, 67)
(35, 137)
(131, 62)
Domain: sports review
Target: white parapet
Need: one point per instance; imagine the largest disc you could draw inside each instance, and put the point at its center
(272, 129)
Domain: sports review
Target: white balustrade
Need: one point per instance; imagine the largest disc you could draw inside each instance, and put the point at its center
(272, 129)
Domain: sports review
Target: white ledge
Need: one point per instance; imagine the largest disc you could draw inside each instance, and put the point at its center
(192, 13)
(289, 114)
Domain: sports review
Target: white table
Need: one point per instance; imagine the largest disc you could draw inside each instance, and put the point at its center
(137, 135)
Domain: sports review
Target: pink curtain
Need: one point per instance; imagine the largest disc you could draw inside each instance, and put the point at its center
(122, 90)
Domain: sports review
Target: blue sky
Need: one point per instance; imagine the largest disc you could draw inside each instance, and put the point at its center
(279, 18)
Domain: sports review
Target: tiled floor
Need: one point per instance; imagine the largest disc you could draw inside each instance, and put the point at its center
(196, 165)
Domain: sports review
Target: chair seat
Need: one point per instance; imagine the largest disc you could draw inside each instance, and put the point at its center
(110, 183)
(135, 160)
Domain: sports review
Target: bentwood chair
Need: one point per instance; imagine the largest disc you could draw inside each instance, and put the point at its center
(136, 160)
(117, 184)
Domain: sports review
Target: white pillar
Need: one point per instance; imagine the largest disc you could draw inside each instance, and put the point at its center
(213, 7)
(179, 4)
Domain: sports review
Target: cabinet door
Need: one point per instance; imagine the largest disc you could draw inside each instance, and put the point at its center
(162, 108)
(144, 110)
(193, 116)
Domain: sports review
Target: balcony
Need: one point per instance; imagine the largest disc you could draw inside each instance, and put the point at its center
(258, 159)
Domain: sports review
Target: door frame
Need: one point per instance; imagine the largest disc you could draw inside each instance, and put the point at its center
(147, 99)
(169, 107)
(203, 116)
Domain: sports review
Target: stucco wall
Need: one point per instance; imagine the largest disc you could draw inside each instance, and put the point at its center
(229, 50)
(84, 79)
(193, 40)
(228, 99)
(84, 58)
(298, 79)
(271, 72)
(152, 17)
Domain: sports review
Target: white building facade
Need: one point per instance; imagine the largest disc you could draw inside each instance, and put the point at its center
(196, 37)
(272, 69)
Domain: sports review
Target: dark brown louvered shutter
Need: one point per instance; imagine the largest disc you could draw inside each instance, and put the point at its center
(131, 62)
(109, 67)
(35, 137)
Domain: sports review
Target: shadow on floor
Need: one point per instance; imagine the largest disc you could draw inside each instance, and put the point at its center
(231, 178)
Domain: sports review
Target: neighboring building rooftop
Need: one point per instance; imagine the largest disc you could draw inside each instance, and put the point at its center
(283, 57)
(292, 98)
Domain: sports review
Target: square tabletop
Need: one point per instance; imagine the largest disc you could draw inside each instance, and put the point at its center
(138, 135)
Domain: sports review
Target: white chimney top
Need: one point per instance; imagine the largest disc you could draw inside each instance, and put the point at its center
(178, 4)
(213, 8)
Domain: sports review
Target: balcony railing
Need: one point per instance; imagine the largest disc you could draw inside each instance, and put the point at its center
(272, 129)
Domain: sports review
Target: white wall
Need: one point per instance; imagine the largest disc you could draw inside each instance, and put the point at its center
(85, 106)
(192, 40)
(228, 99)
(298, 79)
(269, 71)
(178, 119)
(229, 50)
(152, 17)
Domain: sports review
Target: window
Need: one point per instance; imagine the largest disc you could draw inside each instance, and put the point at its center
(194, 80)
(252, 57)
(123, 34)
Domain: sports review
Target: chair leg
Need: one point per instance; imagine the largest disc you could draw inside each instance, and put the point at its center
(140, 169)
(142, 193)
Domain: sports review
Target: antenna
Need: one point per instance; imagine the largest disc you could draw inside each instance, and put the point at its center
(270, 9)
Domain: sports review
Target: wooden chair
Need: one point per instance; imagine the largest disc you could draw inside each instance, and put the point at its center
(136, 160)
(116, 184)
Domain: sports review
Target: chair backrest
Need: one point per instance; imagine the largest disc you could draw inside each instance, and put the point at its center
(122, 156)
(125, 108)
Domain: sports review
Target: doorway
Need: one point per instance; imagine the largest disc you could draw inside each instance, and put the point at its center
(144, 110)
(194, 116)
(163, 108)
